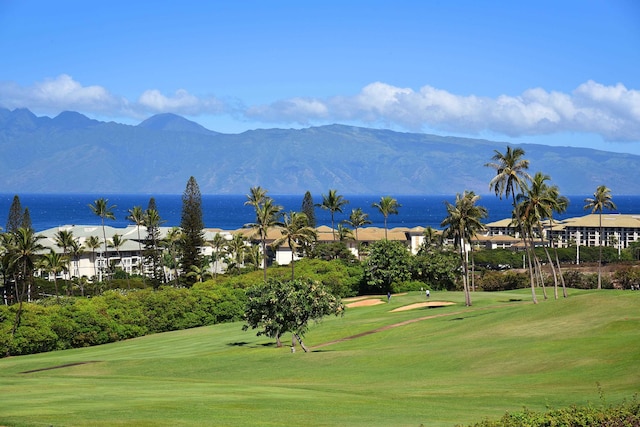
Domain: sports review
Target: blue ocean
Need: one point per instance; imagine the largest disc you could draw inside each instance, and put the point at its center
(228, 212)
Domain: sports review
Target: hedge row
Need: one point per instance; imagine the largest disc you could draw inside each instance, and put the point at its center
(116, 315)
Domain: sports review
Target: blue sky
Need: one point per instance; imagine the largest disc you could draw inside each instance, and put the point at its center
(549, 72)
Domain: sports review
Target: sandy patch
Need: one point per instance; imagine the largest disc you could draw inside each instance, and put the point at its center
(424, 304)
(365, 303)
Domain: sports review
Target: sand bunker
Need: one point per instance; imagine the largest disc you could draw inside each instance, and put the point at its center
(424, 304)
(365, 302)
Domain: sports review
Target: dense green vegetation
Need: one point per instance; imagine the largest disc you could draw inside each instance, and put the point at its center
(458, 365)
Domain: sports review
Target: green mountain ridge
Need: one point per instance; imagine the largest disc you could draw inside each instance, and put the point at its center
(71, 153)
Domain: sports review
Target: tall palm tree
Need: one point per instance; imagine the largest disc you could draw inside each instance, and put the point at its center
(463, 221)
(601, 200)
(539, 201)
(357, 219)
(54, 263)
(136, 216)
(295, 232)
(101, 208)
(267, 217)
(560, 205)
(511, 176)
(333, 202)
(387, 206)
(93, 243)
(25, 254)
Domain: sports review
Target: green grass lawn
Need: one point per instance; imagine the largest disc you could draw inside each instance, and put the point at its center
(456, 365)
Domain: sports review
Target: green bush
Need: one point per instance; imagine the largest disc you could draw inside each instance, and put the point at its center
(502, 281)
(625, 414)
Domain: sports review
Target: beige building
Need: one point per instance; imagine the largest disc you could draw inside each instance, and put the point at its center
(618, 230)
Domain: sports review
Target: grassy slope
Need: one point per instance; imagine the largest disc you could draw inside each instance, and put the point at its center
(457, 367)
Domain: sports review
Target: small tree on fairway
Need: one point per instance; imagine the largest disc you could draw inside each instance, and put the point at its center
(278, 306)
(191, 225)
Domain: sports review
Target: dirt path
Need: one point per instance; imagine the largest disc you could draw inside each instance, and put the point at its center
(406, 322)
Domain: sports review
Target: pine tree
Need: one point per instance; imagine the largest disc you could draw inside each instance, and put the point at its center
(192, 226)
(152, 204)
(26, 219)
(14, 220)
(308, 208)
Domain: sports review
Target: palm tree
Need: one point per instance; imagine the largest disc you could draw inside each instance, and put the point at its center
(463, 221)
(387, 206)
(237, 249)
(136, 216)
(511, 172)
(200, 273)
(75, 252)
(601, 200)
(217, 244)
(93, 243)
(172, 242)
(63, 240)
(333, 202)
(267, 216)
(539, 201)
(295, 232)
(256, 196)
(116, 242)
(102, 209)
(25, 249)
(344, 233)
(54, 263)
(511, 175)
(357, 219)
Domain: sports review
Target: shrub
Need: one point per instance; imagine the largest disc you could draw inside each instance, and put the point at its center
(499, 281)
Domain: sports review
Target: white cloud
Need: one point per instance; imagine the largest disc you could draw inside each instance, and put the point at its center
(610, 111)
(182, 102)
(64, 93)
(61, 93)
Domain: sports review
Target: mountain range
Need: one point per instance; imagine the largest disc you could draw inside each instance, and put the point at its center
(72, 153)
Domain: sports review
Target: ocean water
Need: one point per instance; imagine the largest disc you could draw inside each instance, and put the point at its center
(229, 212)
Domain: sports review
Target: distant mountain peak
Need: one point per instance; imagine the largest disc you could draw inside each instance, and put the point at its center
(73, 120)
(175, 123)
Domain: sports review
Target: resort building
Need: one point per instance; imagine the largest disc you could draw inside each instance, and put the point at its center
(618, 230)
